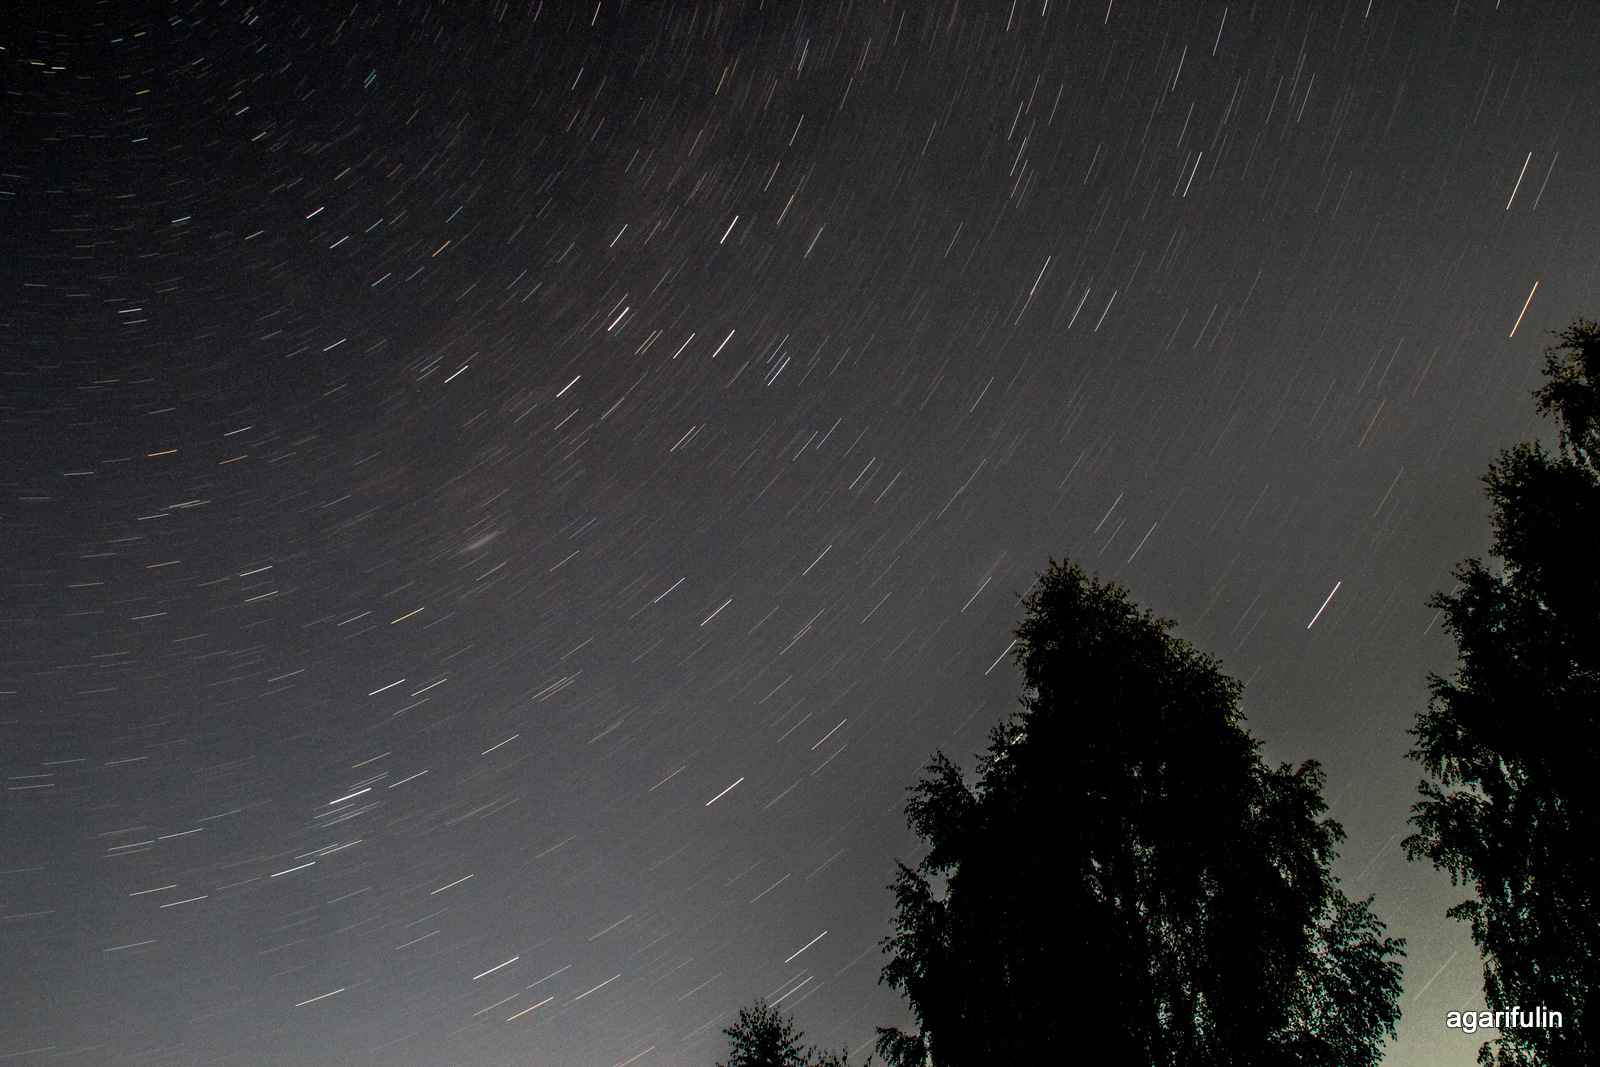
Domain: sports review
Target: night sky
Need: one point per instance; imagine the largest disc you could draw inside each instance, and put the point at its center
(498, 502)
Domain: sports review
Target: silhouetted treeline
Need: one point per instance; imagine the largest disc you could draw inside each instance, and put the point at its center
(1512, 739)
(1126, 882)
(765, 1037)
(1126, 878)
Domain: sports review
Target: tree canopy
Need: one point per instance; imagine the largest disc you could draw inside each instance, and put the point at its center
(1510, 742)
(765, 1037)
(1126, 881)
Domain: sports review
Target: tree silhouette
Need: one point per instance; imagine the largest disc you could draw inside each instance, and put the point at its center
(764, 1037)
(1127, 882)
(1511, 740)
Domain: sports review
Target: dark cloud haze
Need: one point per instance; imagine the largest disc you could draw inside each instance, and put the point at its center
(499, 501)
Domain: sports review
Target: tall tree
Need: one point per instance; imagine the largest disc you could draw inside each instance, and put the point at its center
(765, 1037)
(1511, 740)
(1127, 883)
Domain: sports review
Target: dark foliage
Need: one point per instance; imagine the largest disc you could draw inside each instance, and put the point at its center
(1511, 741)
(764, 1037)
(1127, 882)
